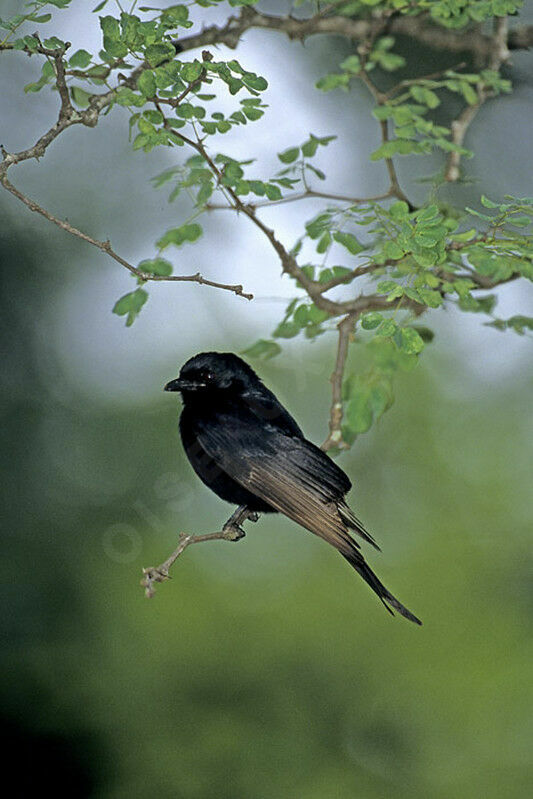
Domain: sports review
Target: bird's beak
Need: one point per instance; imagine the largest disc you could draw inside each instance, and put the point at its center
(179, 384)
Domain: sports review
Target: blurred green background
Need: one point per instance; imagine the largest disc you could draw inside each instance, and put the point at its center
(264, 669)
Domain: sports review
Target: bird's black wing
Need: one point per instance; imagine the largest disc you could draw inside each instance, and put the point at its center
(288, 471)
(266, 407)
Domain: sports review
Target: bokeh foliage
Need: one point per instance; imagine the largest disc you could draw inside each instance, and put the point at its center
(264, 668)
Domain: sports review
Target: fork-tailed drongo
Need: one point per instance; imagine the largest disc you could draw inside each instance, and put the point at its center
(248, 449)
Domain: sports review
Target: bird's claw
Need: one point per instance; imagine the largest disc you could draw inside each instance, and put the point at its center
(233, 532)
(253, 516)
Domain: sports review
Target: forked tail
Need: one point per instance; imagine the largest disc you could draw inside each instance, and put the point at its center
(356, 560)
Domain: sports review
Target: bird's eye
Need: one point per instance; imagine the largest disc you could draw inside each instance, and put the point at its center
(208, 376)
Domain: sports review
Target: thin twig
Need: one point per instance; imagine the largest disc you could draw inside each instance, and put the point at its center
(405, 84)
(309, 194)
(359, 271)
(380, 97)
(498, 54)
(106, 247)
(158, 574)
(232, 531)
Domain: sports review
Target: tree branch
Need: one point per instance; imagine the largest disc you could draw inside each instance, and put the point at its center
(230, 34)
(395, 189)
(334, 440)
(308, 194)
(419, 28)
(498, 54)
(231, 531)
(106, 247)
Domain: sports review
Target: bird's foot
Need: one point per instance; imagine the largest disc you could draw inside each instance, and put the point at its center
(253, 516)
(232, 532)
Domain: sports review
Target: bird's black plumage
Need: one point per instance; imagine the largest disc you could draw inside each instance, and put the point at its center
(246, 447)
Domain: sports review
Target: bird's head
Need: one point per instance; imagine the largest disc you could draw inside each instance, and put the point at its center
(210, 372)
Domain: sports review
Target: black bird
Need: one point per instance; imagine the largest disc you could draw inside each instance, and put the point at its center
(248, 449)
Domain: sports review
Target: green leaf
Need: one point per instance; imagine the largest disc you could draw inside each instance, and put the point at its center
(341, 271)
(146, 83)
(287, 330)
(485, 217)
(423, 95)
(223, 126)
(399, 210)
(520, 323)
(351, 64)
(318, 172)
(358, 412)
(316, 226)
(311, 145)
(255, 82)
(410, 340)
(290, 155)
(157, 53)
(324, 242)
(54, 43)
(487, 303)
(488, 203)
(263, 349)
(301, 315)
(330, 82)
(80, 97)
(390, 61)
(257, 187)
(127, 97)
(393, 250)
(469, 93)
(113, 44)
(396, 147)
(205, 192)
(384, 286)
(271, 190)
(316, 315)
(467, 235)
(191, 72)
(380, 399)
(176, 15)
(428, 213)
(156, 266)
(80, 59)
(154, 116)
(431, 298)
(387, 328)
(130, 305)
(349, 241)
(519, 221)
(252, 113)
(371, 320)
(179, 235)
